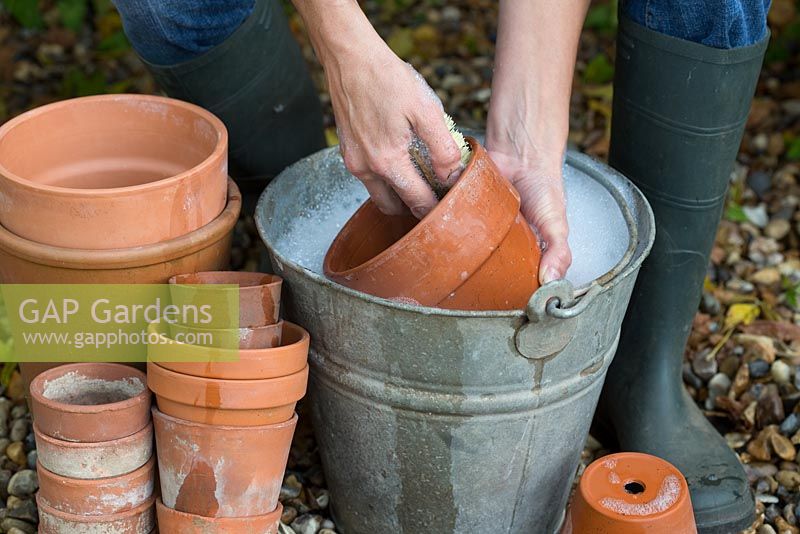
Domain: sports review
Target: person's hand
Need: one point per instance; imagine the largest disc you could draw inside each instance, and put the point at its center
(541, 189)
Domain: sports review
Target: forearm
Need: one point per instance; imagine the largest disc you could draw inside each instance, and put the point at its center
(534, 63)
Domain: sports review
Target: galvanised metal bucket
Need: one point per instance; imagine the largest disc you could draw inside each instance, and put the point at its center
(444, 421)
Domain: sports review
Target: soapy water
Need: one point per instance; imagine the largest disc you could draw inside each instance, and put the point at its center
(666, 497)
(598, 234)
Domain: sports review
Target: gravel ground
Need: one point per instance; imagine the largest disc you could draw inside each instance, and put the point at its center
(742, 363)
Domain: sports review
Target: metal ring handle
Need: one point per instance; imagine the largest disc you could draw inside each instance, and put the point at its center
(557, 299)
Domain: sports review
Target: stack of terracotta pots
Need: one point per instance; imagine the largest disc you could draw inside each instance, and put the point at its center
(113, 189)
(94, 438)
(224, 428)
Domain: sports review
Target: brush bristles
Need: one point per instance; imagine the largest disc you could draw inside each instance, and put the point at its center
(458, 137)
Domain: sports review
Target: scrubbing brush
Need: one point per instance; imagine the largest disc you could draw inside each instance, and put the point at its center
(421, 157)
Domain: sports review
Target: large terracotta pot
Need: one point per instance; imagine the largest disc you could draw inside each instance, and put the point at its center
(226, 402)
(631, 493)
(90, 402)
(26, 262)
(253, 364)
(258, 296)
(257, 337)
(473, 251)
(221, 471)
(94, 460)
(97, 497)
(170, 520)
(111, 171)
(139, 520)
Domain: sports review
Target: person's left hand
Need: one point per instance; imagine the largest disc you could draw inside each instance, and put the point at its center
(541, 188)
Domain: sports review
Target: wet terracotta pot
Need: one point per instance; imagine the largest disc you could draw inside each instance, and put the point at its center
(259, 296)
(221, 471)
(97, 497)
(139, 520)
(288, 358)
(257, 337)
(90, 402)
(112, 171)
(473, 251)
(27, 262)
(226, 402)
(631, 493)
(94, 460)
(170, 520)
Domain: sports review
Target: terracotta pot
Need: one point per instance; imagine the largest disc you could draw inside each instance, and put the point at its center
(112, 171)
(97, 497)
(139, 520)
(255, 364)
(170, 520)
(257, 337)
(27, 262)
(90, 402)
(631, 493)
(94, 460)
(258, 296)
(226, 402)
(221, 471)
(473, 251)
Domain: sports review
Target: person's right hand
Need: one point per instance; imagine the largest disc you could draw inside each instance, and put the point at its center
(382, 106)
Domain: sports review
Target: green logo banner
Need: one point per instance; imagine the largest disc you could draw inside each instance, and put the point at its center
(119, 322)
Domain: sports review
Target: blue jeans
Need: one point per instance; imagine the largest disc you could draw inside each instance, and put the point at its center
(168, 32)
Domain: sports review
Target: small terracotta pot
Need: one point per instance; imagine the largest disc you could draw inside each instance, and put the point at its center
(90, 402)
(97, 497)
(221, 471)
(94, 460)
(226, 402)
(139, 520)
(257, 337)
(170, 520)
(631, 493)
(253, 364)
(258, 296)
(112, 171)
(473, 251)
(27, 262)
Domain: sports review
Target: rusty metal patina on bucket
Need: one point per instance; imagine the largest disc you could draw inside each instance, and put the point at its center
(443, 421)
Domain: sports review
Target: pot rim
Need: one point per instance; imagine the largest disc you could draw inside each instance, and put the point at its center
(583, 162)
(86, 259)
(261, 393)
(88, 483)
(220, 148)
(74, 518)
(288, 328)
(224, 522)
(57, 442)
(435, 215)
(275, 280)
(292, 421)
(37, 390)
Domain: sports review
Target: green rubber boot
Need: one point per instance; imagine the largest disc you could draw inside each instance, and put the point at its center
(257, 83)
(678, 118)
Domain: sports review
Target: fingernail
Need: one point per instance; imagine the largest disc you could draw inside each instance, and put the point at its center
(549, 274)
(419, 213)
(454, 176)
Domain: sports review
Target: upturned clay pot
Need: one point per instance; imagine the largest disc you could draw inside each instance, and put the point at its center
(473, 251)
(257, 337)
(226, 402)
(631, 493)
(139, 520)
(90, 402)
(26, 262)
(170, 520)
(112, 171)
(256, 364)
(94, 460)
(97, 497)
(258, 296)
(221, 471)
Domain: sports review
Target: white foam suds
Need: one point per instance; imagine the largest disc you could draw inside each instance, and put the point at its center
(598, 233)
(666, 497)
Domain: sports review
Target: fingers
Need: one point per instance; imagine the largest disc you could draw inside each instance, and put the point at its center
(410, 186)
(383, 196)
(445, 155)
